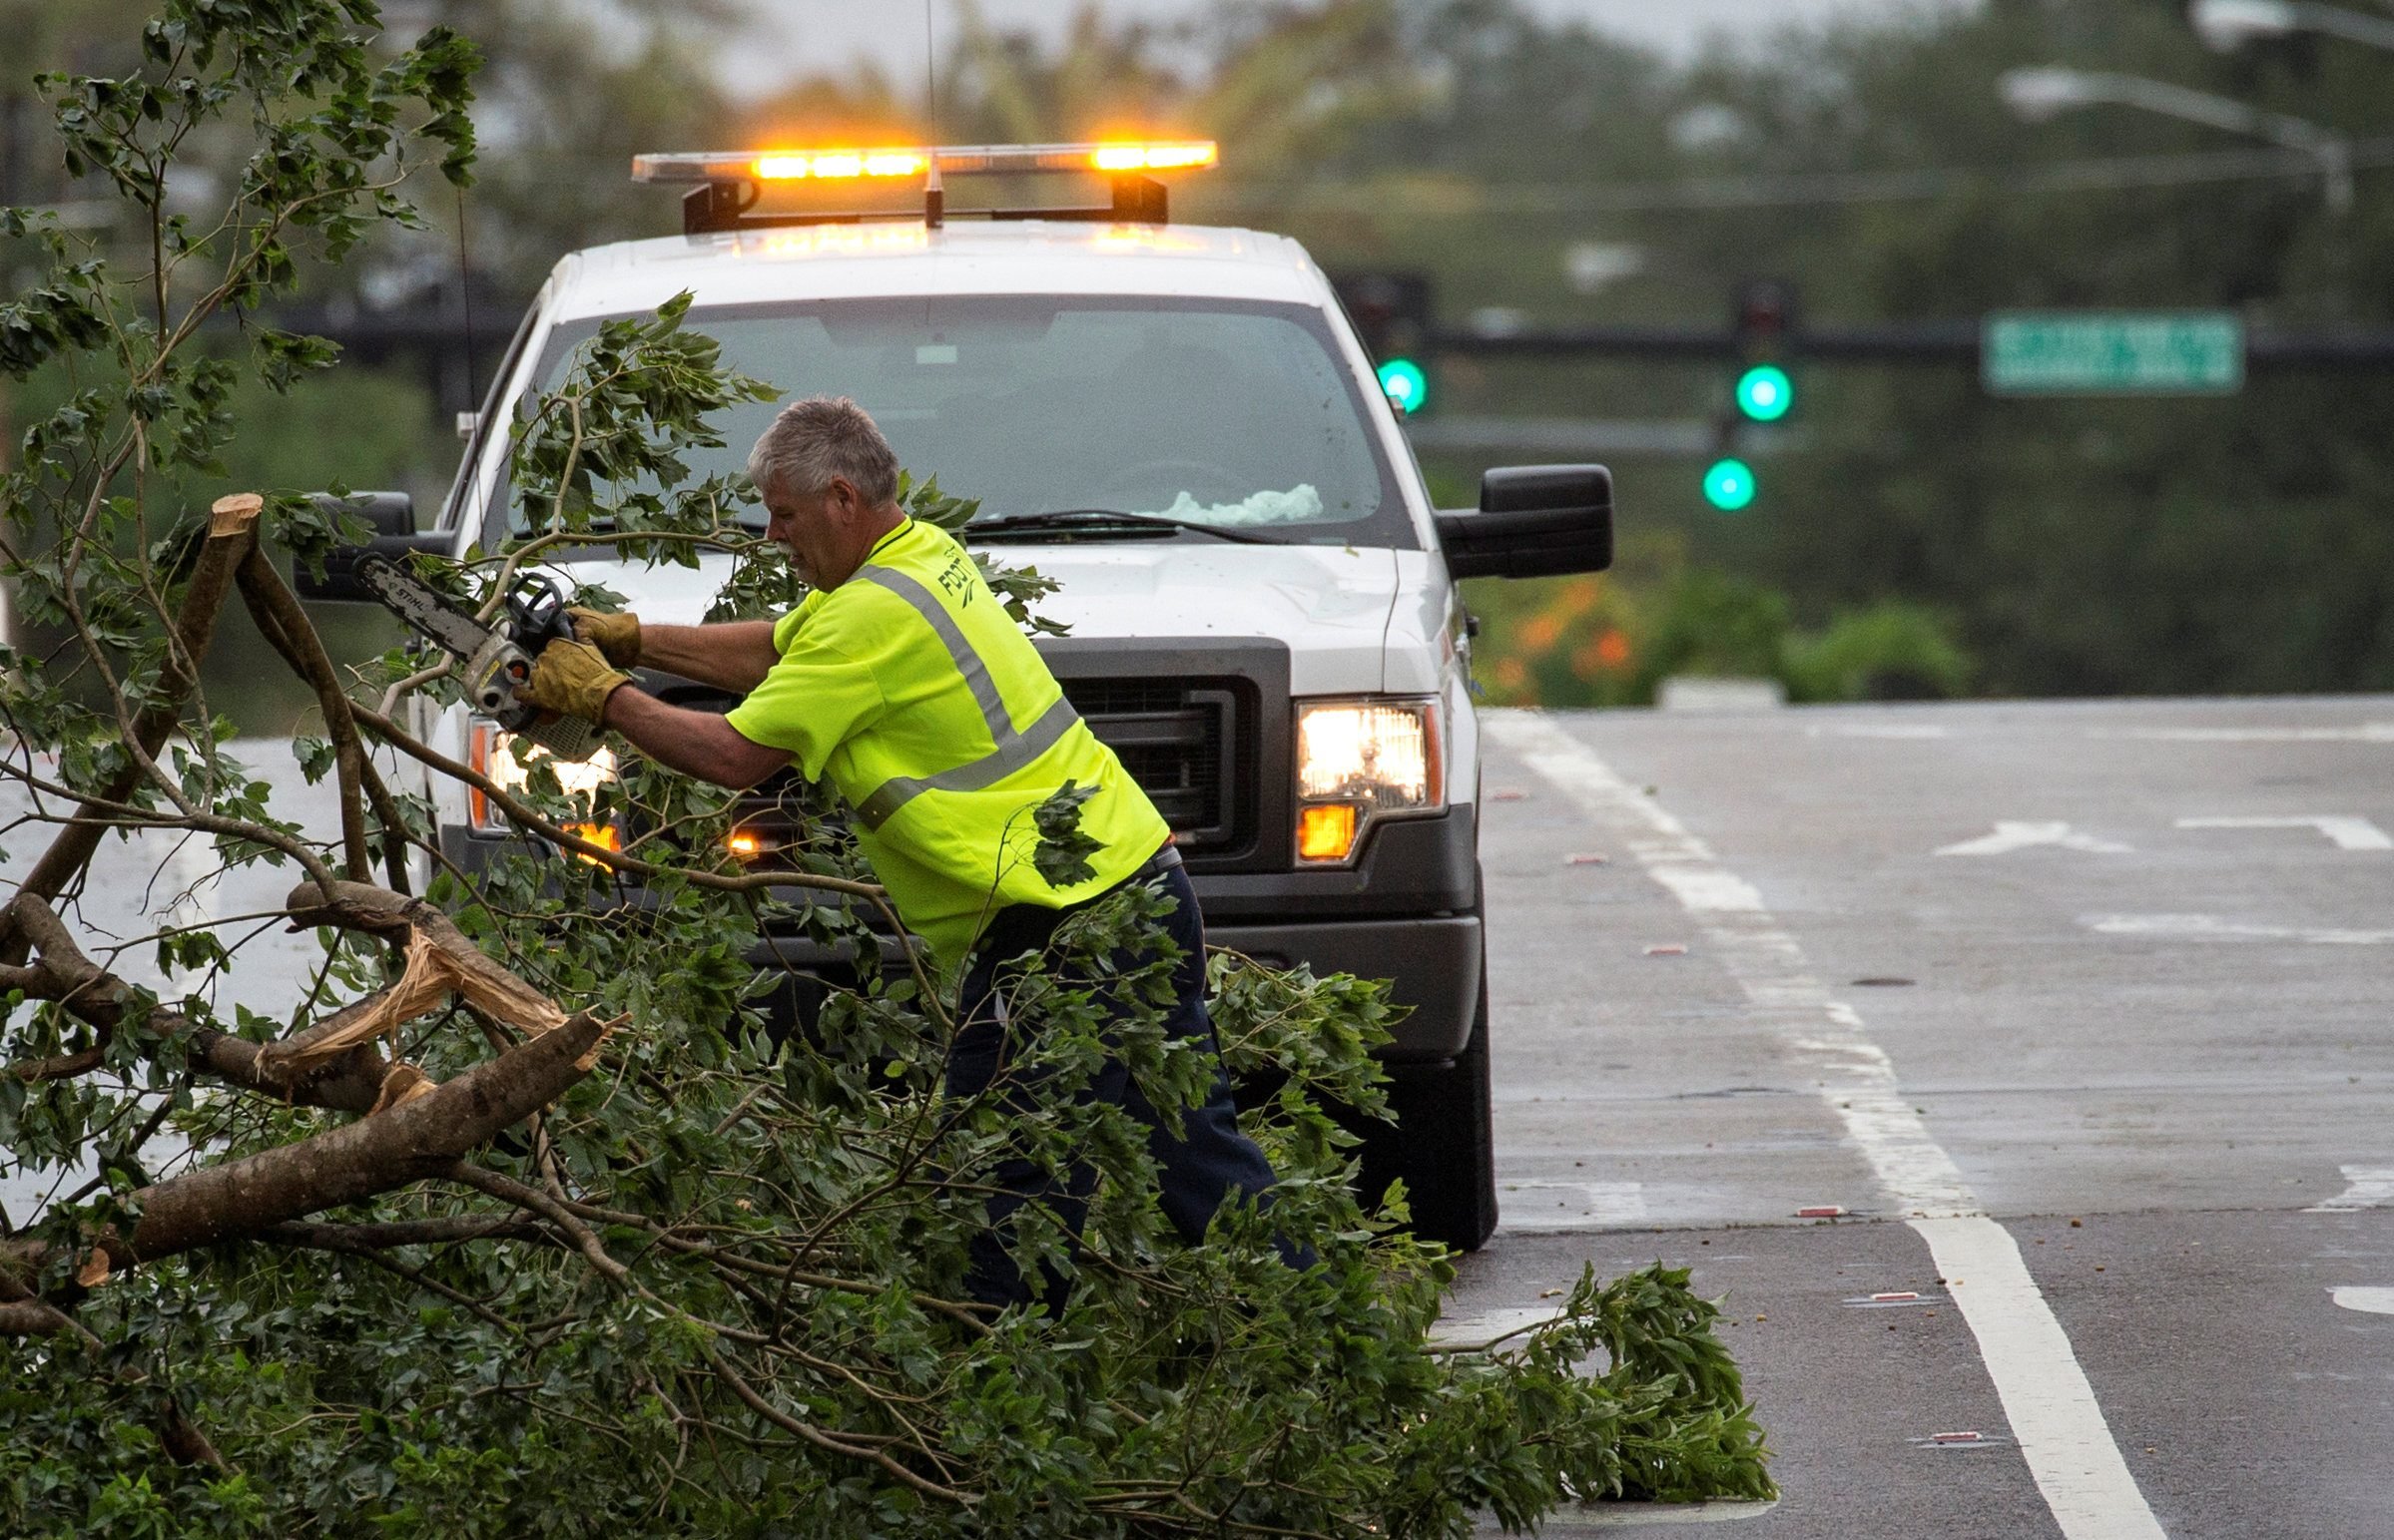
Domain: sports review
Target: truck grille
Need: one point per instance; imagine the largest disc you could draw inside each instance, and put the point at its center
(1181, 743)
(1195, 741)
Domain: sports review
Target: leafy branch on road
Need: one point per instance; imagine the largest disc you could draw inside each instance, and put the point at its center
(518, 1216)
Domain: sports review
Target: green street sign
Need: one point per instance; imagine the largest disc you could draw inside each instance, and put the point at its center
(2120, 353)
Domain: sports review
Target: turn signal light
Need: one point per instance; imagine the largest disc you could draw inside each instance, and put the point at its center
(605, 835)
(746, 845)
(1326, 831)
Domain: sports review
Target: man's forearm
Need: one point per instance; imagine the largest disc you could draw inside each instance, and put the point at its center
(699, 744)
(735, 655)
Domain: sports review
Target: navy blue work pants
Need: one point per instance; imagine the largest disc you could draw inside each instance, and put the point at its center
(1210, 1160)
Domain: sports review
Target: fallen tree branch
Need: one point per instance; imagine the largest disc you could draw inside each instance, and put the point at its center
(618, 862)
(32, 1318)
(498, 797)
(823, 1440)
(397, 1232)
(231, 534)
(289, 631)
(442, 961)
(91, 994)
(417, 1138)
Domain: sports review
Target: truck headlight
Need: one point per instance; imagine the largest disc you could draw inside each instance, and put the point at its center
(1362, 759)
(509, 763)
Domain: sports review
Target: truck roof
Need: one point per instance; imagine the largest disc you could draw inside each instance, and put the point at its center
(878, 259)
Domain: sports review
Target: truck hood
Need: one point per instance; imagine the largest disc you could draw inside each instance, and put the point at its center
(1330, 604)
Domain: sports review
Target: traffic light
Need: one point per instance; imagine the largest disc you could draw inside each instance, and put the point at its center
(1390, 311)
(1761, 393)
(1765, 393)
(1406, 386)
(1729, 484)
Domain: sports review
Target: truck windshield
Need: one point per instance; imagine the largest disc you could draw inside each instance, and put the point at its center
(1213, 412)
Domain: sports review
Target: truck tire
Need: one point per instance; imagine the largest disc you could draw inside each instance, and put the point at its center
(1445, 1143)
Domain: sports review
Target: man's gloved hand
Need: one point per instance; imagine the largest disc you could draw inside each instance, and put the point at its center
(618, 636)
(574, 679)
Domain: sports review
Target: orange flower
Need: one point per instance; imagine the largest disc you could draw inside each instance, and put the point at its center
(1605, 653)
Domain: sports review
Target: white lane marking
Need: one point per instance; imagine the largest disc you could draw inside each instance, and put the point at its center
(1553, 1207)
(2046, 1395)
(2210, 927)
(2009, 836)
(2348, 832)
(2365, 1187)
(2366, 733)
(2374, 1301)
(2043, 1391)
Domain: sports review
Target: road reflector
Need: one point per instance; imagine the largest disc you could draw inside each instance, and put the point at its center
(1823, 1210)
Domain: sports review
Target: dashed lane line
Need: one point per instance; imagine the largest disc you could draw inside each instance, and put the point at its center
(2346, 831)
(2369, 1301)
(2366, 733)
(2210, 927)
(2365, 1187)
(2044, 1393)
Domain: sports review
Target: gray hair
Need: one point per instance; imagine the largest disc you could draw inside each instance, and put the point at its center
(819, 438)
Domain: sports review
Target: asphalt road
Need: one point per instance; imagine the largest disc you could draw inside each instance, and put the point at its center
(2079, 1012)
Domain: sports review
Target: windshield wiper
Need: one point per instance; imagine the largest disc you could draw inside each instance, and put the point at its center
(1100, 520)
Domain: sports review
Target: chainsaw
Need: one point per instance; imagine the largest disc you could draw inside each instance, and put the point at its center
(494, 657)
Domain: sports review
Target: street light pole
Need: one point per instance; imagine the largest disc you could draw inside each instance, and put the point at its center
(2039, 93)
(2227, 25)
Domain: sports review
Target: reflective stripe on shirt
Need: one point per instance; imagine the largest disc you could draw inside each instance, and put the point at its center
(1014, 750)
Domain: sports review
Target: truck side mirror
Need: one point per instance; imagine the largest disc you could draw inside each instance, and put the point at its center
(393, 516)
(1533, 521)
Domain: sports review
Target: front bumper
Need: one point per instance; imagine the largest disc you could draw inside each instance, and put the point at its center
(1431, 964)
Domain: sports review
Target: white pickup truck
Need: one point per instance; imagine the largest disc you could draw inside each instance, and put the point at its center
(1284, 665)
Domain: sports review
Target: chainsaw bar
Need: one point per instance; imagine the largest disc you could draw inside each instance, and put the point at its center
(492, 664)
(424, 610)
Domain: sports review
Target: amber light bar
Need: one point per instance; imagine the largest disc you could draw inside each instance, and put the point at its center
(861, 165)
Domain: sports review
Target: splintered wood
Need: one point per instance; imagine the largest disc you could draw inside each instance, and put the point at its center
(434, 973)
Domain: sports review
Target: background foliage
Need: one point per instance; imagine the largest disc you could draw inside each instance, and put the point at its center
(1537, 168)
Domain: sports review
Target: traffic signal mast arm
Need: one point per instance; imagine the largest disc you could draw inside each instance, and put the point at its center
(1953, 343)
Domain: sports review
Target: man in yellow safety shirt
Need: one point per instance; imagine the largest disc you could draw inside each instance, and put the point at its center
(903, 677)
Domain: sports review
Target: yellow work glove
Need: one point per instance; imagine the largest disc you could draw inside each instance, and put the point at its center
(572, 679)
(618, 636)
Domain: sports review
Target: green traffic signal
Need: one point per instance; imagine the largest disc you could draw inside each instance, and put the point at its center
(1765, 393)
(1729, 485)
(1406, 386)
